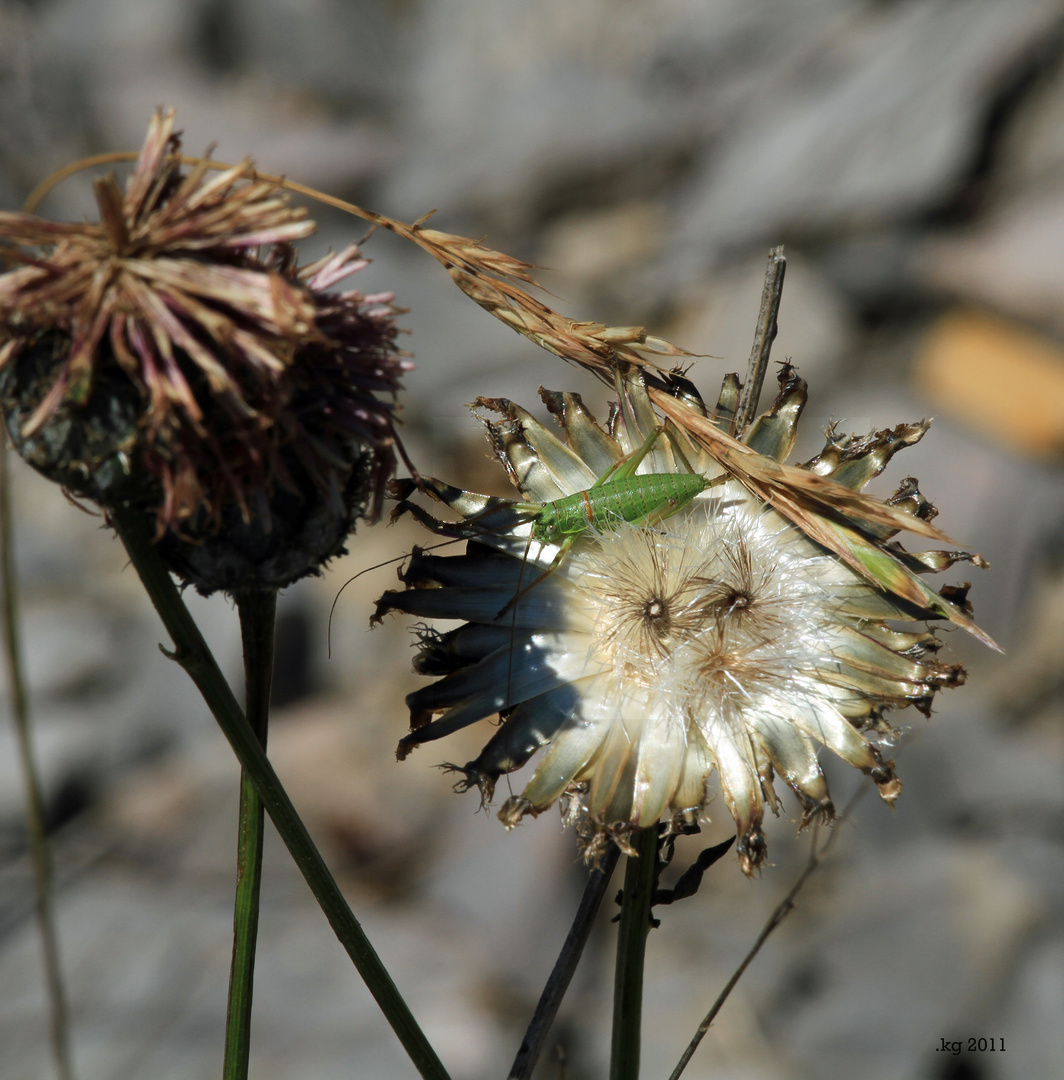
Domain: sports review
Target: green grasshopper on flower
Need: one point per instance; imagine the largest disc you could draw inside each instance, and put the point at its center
(619, 495)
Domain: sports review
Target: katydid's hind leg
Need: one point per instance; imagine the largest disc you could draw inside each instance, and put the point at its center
(627, 465)
(670, 433)
(454, 529)
(563, 550)
(659, 514)
(476, 510)
(467, 503)
(403, 489)
(630, 462)
(466, 529)
(668, 507)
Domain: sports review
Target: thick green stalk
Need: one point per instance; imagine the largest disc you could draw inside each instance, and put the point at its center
(257, 609)
(191, 652)
(639, 874)
(40, 851)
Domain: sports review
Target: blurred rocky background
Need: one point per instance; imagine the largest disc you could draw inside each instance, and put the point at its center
(910, 155)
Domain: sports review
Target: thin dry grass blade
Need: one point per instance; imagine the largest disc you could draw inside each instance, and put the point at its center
(815, 504)
(766, 478)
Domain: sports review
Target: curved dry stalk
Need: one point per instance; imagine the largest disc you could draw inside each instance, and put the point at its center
(826, 511)
(40, 850)
(781, 911)
(564, 967)
(764, 336)
(490, 278)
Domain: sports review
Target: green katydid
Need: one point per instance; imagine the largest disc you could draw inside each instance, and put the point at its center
(620, 495)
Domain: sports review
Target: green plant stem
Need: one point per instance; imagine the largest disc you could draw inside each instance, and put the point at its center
(257, 609)
(40, 850)
(639, 874)
(191, 652)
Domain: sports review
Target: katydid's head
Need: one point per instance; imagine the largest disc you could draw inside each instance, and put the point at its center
(672, 622)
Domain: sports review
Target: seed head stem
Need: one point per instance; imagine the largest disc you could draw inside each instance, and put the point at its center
(639, 875)
(564, 967)
(192, 654)
(764, 335)
(257, 609)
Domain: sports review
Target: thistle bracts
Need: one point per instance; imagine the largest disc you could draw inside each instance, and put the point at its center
(720, 637)
(174, 356)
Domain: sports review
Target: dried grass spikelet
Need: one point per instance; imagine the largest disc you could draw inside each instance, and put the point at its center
(176, 357)
(835, 514)
(721, 638)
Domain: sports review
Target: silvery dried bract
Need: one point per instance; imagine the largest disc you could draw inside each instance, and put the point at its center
(710, 637)
(174, 356)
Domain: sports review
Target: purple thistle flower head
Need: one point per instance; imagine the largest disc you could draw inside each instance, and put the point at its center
(175, 356)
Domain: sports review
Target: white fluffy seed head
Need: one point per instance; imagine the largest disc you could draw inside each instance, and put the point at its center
(705, 608)
(697, 628)
(720, 637)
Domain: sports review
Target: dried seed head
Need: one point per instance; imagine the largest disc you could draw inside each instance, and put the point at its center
(175, 356)
(719, 637)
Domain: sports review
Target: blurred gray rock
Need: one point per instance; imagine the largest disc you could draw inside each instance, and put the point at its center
(719, 318)
(101, 694)
(1013, 260)
(1035, 1007)
(507, 104)
(950, 918)
(1032, 147)
(871, 121)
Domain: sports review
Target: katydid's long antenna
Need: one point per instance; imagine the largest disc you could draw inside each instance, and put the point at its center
(763, 338)
(513, 614)
(375, 566)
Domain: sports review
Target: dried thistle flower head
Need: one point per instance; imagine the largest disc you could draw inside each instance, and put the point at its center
(174, 355)
(709, 635)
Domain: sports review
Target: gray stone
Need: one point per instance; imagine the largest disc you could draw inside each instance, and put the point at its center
(1010, 260)
(873, 120)
(1035, 1044)
(510, 103)
(1032, 146)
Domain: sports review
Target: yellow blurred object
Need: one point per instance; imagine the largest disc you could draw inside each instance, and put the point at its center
(997, 376)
